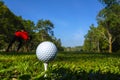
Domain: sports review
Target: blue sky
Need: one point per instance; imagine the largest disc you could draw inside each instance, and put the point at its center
(71, 18)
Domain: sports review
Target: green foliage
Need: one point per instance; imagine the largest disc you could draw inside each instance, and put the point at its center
(9, 23)
(95, 39)
(45, 25)
(106, 34)
(108, 3)
(66, 66)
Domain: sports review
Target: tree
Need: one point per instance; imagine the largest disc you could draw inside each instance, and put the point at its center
(29, 27)
(44, 27)
(109, 18)
(95, 39)
(92, 39)
(8, 23)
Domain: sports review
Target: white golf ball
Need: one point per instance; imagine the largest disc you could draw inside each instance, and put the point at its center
(46, 51)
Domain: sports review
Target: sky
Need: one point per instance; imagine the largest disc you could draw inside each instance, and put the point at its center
(71, 18)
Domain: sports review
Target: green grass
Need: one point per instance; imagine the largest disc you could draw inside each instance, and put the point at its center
(66, 66)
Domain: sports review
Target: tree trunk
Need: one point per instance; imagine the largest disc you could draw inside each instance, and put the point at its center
(98, 47)
(110, 42)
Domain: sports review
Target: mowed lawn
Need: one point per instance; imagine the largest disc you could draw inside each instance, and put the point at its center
(66, 66)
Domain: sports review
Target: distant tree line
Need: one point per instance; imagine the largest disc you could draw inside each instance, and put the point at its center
(76, 48)
(9, 23)
(106, 36)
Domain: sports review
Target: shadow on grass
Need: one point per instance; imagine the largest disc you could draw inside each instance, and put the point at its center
(67, 74)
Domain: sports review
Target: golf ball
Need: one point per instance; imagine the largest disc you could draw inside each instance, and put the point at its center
(46, 51)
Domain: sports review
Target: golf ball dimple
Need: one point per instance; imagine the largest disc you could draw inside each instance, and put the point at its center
(46, 51)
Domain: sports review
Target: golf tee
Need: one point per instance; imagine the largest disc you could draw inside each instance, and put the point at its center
(45, 67)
